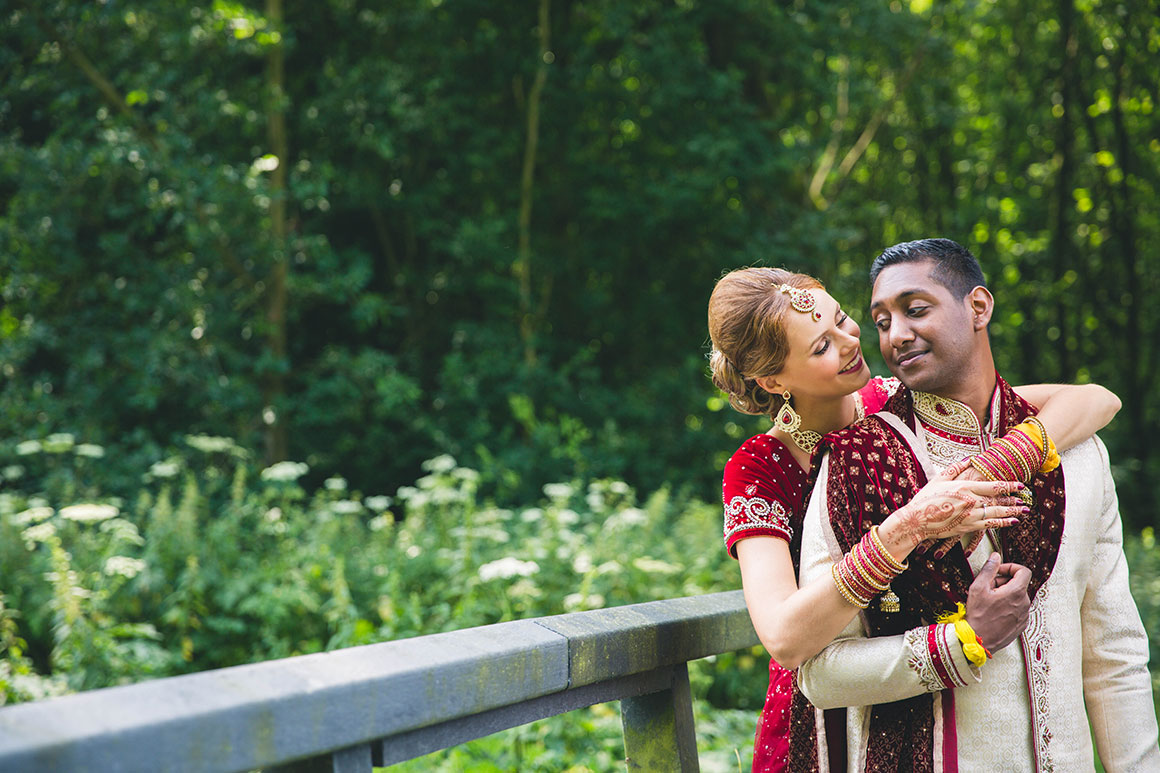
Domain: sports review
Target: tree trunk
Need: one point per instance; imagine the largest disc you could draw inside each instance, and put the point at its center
(1061, 244)
(522, 268)
(274, 380)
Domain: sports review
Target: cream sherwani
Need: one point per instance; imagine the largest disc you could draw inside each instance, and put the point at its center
(1083, 656)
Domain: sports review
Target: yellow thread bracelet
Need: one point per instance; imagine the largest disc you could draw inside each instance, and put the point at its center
(970, 641)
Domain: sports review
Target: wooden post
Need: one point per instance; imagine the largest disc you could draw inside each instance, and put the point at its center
(659, 734)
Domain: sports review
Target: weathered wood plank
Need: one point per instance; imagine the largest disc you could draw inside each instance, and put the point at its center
(659, 733)
(607, 643)
(262, 714)
(378, 697)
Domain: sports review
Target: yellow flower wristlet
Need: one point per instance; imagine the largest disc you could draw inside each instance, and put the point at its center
(973, 647)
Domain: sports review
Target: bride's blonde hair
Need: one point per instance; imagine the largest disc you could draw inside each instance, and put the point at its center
(746, 311)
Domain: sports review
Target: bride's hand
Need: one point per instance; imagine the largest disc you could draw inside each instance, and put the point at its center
(961, 470)
(948, 509)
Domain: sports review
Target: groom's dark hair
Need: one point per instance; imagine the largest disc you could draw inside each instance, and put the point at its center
(955, 268)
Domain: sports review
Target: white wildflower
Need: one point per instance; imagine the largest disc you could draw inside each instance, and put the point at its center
(493, 533)
(166, 469)
(122, 531)
(285, 472)
(346, 507)
(531, 515)
(41, 532)
(58, 443)
(577, 601)
(609, 567)
(88, 513)
(619, 487)
(465, 474)
(377, 503)
(210, 444)
(439, 464)
(124, 566)
(380, 522)
(335, 483)
(567, 517)
(12, 472)
(625, 519)
(493, 515)
(655, 566)
(558, 490)
(524, 588)
(582, 563)
(32, 515)
(273, 515)
(28, 447)
(414, 551)
(90, 450)
(506, 568)
(595, 500)
(406, 492)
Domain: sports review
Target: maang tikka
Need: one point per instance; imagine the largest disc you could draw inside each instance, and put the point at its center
(801, 300)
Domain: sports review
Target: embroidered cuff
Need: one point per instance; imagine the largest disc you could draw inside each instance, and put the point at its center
(753, 516)
(936, 656)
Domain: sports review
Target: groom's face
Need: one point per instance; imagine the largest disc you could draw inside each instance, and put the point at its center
(924, 332)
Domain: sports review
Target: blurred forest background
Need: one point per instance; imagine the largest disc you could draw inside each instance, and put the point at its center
(363, 235)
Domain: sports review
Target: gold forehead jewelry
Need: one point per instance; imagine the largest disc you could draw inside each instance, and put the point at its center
(802, 300)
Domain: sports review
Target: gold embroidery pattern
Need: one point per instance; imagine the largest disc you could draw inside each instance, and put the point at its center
(1036, 639)
(946, 414)
(920, 661)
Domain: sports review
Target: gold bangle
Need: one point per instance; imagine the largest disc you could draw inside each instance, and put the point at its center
(866, 569)
(891, 561)
(854, 583)
(846, 593)
(981, 467)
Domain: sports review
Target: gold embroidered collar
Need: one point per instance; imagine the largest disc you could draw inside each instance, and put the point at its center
(951, 416)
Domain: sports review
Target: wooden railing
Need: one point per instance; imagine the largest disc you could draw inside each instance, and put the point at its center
(352, 709)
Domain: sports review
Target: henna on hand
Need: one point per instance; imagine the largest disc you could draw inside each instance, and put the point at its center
(945, 510)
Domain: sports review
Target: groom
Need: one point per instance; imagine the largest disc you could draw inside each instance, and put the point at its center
(919, 703)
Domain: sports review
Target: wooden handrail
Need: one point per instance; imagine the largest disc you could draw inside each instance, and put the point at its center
(383, 703)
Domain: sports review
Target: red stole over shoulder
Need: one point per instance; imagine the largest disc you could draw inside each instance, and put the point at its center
(872, 472)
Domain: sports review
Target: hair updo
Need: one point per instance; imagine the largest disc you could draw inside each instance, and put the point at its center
(746, 311)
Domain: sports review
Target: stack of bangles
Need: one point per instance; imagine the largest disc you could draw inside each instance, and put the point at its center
(973, 647)
(866, 570)
(1017, 456)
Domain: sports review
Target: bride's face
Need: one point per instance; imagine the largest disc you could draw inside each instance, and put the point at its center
(825, 357)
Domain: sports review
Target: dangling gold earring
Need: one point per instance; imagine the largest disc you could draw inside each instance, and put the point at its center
(787, 420)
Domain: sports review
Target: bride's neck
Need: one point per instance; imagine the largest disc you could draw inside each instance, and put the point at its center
(827, 414)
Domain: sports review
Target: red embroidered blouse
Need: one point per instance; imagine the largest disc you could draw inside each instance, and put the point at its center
(764, 493)
(763, 489)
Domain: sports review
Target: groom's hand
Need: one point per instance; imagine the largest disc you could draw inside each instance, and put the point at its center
(997, 603)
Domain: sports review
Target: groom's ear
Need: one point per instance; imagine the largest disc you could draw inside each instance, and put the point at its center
(980, 305)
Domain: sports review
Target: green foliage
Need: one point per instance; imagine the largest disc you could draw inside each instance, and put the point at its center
(363, 304)
(217, 562)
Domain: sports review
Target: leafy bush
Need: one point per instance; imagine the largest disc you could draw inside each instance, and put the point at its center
(215, 562)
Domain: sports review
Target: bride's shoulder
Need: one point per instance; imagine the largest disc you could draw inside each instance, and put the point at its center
(877, 392)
